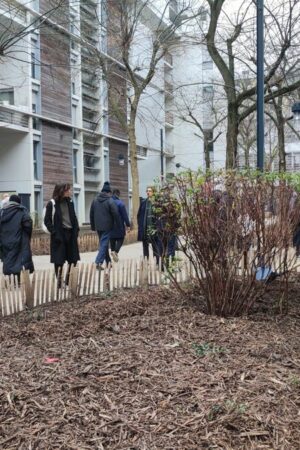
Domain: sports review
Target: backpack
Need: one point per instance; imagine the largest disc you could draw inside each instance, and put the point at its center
(45, 229)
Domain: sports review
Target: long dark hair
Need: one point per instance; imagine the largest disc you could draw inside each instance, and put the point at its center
(59, 190)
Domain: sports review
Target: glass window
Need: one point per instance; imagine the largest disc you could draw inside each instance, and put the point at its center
(33, 65)
(75, 166)
(7, 95)
(36, 145)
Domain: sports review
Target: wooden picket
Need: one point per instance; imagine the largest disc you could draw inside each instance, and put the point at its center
(42, 287)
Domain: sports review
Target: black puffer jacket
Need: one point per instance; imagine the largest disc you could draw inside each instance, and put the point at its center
(104, 213)
(15, 235)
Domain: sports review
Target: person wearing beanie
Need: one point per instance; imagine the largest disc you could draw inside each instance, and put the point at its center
(106, 187)
(15, 235)
(103, 216)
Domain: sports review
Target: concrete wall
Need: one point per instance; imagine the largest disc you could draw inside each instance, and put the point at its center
(15, 162)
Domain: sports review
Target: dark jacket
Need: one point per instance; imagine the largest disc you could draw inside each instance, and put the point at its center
(143, 227)
(15, 234)
(58, 251)
(103, 213)
(118, 231)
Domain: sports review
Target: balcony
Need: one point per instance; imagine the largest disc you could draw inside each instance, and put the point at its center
(14, 120)
(169, 150)
(90, 125)
(169, 118)
(168, 60)
(169, 90)
(12, 12)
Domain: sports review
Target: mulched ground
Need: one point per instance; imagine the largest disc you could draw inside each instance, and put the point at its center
(142, 370)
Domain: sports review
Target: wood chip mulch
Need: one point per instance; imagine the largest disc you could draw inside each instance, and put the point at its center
(143, 370)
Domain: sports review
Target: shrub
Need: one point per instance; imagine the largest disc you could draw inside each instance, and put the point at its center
(237, 230)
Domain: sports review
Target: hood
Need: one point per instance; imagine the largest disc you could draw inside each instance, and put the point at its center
(9, 210)
(103, 197)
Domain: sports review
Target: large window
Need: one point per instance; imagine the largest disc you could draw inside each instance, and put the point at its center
(36, 160)
(7, 95)
(75, 165)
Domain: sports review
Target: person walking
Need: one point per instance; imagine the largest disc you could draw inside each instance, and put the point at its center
(103, 217)
(147, 227)
(62, 224)
(118, 232)
(15, 235)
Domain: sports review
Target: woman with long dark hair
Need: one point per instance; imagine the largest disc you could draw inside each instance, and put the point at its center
(61, 222)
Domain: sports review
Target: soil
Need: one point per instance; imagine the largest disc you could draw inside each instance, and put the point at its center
(145, 370)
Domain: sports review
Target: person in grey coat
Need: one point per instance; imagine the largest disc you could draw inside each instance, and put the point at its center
(15, 235)
(103, 216)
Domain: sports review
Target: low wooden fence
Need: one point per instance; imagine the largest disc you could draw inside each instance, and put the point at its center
(41, 288)
(87, 241)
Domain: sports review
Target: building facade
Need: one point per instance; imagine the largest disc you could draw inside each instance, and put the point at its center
(55, 121)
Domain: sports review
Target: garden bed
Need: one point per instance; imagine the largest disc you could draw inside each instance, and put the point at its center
(145, 370)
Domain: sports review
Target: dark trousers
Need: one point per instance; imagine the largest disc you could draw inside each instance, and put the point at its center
(116, 244)
(156, 247)
(67, 242)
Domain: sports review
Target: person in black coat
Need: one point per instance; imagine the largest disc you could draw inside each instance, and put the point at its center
(103, 216)
(63, 229)
(118, 232)
(147, 226)
(15, 235)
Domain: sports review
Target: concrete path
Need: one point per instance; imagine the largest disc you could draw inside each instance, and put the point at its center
(130, 251)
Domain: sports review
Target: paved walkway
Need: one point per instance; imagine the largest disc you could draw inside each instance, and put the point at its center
(130, 251)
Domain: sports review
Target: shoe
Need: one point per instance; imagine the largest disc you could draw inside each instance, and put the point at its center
(115, 256)
(100, 266)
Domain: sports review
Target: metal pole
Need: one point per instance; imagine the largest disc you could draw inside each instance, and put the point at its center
(260, 83)
(162, 154)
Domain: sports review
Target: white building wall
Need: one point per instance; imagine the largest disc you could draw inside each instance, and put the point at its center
(16, 165)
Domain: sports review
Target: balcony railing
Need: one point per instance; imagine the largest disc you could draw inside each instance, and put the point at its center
(14, 118)
(14, 12)
(169, 118)
(90, 125)
(169, 149)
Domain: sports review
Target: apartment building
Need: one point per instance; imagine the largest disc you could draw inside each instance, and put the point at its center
(55, 121)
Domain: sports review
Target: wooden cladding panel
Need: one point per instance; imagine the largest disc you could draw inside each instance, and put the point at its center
(57, 11)
(57, 157)
(117, 104)
(119, 174)
(55, 75)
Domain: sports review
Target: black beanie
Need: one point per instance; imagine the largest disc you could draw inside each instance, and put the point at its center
(15, 198)
(106, 187)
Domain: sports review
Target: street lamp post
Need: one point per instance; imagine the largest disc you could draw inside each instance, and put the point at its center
(260, 83)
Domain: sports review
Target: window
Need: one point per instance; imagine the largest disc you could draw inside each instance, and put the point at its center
(36, 146)
(74, 114)
(75, 201)
(7, 96)
(73, 88)
(75, 166)
(106, 166)
(35, 121)
(37, 197)
(208, 92)
(209, 136)
(33, 65)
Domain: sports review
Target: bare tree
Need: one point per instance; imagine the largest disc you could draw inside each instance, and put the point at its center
(138, 37)
(206, 112)
(19, 20)
(231, 41)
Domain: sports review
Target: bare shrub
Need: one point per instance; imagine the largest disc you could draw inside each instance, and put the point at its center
(237, 232)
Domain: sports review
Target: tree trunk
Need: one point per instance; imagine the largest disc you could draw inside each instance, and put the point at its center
(206, 154)
(134, 169)
(232, 136)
